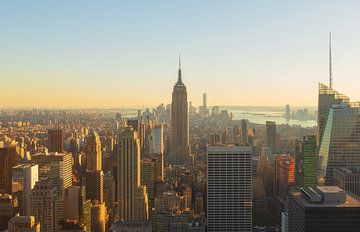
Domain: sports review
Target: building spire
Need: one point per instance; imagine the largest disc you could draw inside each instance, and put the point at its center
(330, 62)
(179, 81)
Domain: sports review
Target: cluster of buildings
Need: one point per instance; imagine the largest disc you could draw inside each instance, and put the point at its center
(179, 168)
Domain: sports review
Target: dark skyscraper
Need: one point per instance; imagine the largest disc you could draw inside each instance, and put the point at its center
(8, 159)
(179, 153)
(271, 135)
(244, 132)
(326, 208)
(56, 140)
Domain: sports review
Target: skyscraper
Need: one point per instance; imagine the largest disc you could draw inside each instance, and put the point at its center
(244, 132)
(180, 151)
(284, 175)
(205, 101)
(94, 182)
(8, 159)
(306, 161)
(56, 167)
(76, 207)
(324, 209)
(24, 177)
(98, 217)
(129, 177)
(229, 197)
(271, 135)
(56, 140)
(159, 139)
(327, 97)
(93, 152)
(43, 202)
(287, 112)
(340, 145)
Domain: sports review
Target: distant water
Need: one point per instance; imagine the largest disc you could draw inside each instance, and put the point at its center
(260, 115)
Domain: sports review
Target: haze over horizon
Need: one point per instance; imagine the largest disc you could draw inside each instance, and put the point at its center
(88, 54)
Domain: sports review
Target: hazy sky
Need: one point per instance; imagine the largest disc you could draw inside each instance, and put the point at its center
(117, 53)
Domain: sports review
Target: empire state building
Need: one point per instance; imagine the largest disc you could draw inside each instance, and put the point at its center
(179, 152)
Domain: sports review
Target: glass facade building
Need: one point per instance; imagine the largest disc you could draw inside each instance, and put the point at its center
(305, 161)
(327, 97)
(340, 145)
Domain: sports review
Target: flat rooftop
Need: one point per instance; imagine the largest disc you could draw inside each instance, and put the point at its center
(350, 201)
(228, 149)
(330, 189)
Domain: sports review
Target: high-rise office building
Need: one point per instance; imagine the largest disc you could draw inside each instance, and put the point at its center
(287, 112)
(56, 140)
(128, 172)
(284, 175)
(8, 159)
(159, 139)
(94, 182)
(340, 145)
(327, 97)
(148, 177)
(306, 161)
(76, 207)
(271, 135)
(229, 196)
(179, 150)
(93, 152)
(244, 132)
(205, 101)
(56, 167)
(43, 205)
(327, 208)
(98, 217)
(24, 177)
(348, 179)
(23, 224)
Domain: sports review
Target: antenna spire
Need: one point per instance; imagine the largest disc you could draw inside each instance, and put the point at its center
(179, 81)
(330, 62)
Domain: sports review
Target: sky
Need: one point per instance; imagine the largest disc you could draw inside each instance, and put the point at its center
(74, 54)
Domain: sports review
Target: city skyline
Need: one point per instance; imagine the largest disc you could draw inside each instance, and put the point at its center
(75, 55)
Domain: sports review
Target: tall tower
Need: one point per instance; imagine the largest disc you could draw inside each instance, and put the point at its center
(271, 135)
(179, 153)
(129, 188)
(229, 198)
(8, 159)
(205, 101)
(93, 152)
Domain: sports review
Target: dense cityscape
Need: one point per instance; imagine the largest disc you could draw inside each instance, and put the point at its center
(179, 116)
(177, 167)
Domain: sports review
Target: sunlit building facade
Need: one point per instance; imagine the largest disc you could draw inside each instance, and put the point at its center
(340, 145)
(327, 97)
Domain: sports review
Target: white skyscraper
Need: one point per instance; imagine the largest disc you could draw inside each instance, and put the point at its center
(24, 177)
(229, 198)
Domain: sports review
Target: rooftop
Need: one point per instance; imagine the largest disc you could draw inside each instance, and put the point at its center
(351, 201)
